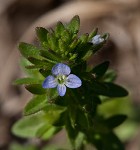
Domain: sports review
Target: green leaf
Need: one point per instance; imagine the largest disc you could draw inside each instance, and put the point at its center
(73, 44)
(91, 106)
(28, 50)
(34, 73)
(54, 147)
(59, 29)
(81, 121)
(100, 69)
(36, 61)
(73, 57)
(87, 55)
(47, 131)
(41, 34)
(97, 47)
(53, 114)
(27, 81)
(84, 51)
(50, 55)
(53, 110)
(74, 25)
(115, 121)
(84, 38)
(72, 133)
(28, 126)
(80, 68)
(44, 63)
(108, 89)
(66, 37)
(52, 41)
(111, 142)
(105, 36)
(35, 67)
(115, 90)
(17, 146)
(45, 72)
(110, 76)
(61, 121)
(62, 46)
(36, 104)
(79, 141)
(105, 141)
(36, 89)
(92, 34)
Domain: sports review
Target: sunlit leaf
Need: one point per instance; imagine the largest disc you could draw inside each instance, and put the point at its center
(28, 126)
(53, 113)
(52, 41)
(17, 146)
(74, 24)
(47, 131)
(59, 29)
(84, 38)
(92, 34)
(36, 104)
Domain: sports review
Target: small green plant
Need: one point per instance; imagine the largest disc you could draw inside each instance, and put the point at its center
(60, 62)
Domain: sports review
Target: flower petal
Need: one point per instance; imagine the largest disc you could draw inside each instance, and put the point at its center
(97, 39)
(61, 88)
(73, 81)
(61, 68)
(49, 82)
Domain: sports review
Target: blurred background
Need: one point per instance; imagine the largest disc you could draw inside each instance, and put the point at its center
(121, 18)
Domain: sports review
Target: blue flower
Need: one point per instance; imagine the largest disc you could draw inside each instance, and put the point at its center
(61, 78)
(97, 39)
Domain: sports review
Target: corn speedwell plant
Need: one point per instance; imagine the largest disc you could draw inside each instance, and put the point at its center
(66, 93)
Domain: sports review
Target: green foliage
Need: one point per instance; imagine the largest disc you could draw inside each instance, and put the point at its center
(74, 25)
(42, 36)
(28, 50)
(36, 104)
(100, 69)
(47, 113)
(27, 81)
(36, 89)
(115, 121)
(36, 125)
(28, 126)
(16, 146)
(108, 89)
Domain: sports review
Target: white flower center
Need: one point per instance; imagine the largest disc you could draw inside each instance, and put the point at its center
(61, 79)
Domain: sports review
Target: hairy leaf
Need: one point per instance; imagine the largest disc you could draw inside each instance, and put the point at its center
(74, 25)
(28, 50)
(41, 34)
